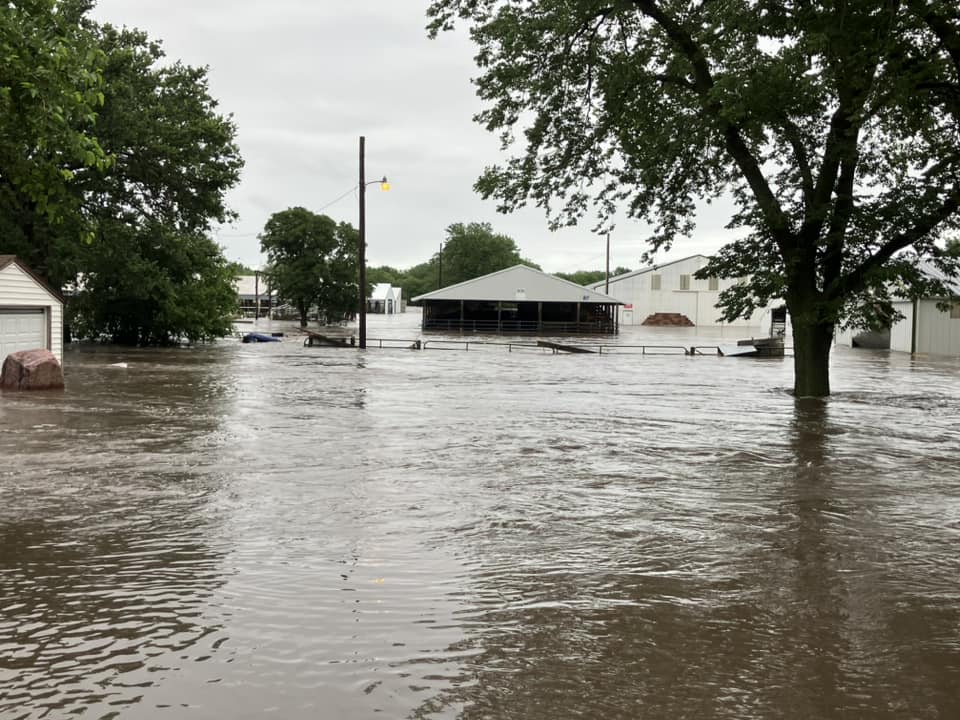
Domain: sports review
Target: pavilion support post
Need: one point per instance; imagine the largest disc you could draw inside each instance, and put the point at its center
(499, 316)
(461, 316)
(539, 316)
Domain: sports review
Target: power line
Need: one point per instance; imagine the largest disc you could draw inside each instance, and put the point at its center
(338, 199)
(320, 209)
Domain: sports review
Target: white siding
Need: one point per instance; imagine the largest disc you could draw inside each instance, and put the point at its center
(937, 332)
(699, 303)
(19, 289)
(391, 298)
(901, 334)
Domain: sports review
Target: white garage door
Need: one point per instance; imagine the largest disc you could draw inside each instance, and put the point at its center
(22, 329)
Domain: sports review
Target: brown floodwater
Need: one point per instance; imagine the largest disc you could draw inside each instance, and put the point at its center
(248, 531)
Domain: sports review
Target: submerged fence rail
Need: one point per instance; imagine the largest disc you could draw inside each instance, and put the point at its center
(570, 345)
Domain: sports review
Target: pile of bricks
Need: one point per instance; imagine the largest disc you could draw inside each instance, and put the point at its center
(668, 320)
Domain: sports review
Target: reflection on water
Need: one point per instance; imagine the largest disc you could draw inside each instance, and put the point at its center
(242, 530)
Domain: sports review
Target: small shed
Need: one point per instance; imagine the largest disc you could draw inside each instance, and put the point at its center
(31, 312)
(519, 299)
(385, 299)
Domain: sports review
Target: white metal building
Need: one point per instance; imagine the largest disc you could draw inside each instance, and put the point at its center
(925, 329)
(385, 299)
(671, 289)
(31, 312)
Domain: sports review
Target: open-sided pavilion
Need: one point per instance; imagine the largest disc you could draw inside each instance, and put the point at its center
(519, 299)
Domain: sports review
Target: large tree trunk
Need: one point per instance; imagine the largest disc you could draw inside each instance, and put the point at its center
(811, 357)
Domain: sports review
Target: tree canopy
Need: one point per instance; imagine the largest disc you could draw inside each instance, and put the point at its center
(139, 180)
(474, 249)
(51, 89)
(589, 277)
(154, 286)
(469, 250)
(832, 125)
(312, 260)
(419, 279)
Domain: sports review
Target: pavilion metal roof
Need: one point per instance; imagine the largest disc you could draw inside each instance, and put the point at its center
(519, 283)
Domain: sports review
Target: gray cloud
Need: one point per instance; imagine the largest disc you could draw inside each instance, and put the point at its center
(305, 78)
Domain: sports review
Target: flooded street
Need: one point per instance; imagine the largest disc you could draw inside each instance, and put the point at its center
(248, 531)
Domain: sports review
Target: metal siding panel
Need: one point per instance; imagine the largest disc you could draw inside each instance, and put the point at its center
(901, 334)
(936, 334)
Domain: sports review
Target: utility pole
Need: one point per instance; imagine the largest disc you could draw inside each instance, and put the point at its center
(363, 253)
(440, 267)
(607, 286)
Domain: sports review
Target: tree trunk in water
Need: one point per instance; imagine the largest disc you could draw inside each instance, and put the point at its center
(303, 315)
(811, 359)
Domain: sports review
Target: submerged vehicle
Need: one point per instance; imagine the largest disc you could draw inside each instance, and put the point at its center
(255, 337)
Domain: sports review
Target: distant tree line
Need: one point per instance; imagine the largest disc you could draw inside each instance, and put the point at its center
(589, 277)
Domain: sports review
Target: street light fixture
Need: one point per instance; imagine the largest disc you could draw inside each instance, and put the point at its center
(384, 186)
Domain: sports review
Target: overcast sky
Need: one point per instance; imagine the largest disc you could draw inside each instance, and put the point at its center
(304, 79)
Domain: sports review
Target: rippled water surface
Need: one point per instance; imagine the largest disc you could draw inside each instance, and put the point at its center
(247, 531)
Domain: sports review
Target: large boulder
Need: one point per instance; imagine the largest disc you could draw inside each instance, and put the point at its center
(31, 370)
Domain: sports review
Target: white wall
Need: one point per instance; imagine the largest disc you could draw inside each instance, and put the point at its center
(18, 289)
(901, 334)
(699, 303)
(937, 332)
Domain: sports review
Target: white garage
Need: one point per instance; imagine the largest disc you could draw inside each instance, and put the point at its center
(31, 312)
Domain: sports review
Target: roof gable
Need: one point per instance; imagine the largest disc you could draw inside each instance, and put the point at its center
(519, 283)
(7, 260)
(383, 291)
